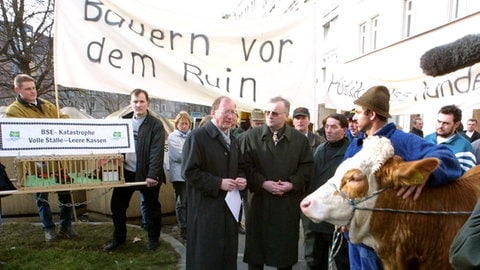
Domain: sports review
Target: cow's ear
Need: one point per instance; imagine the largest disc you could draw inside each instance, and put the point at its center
(414, 172)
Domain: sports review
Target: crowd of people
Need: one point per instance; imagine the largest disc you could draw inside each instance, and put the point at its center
(282, 167)
(270, 167)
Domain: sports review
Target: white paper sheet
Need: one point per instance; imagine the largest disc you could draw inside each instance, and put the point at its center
(234, 202)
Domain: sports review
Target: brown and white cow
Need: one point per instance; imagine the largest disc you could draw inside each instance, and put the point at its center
(402, 240)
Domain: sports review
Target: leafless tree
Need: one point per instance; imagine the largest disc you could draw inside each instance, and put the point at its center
(98, 104)
(26, 44)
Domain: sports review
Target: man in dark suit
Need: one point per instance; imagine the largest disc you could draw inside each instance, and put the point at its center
(417, 126)
(471, 131)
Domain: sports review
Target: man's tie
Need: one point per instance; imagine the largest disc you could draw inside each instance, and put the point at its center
(275, 137)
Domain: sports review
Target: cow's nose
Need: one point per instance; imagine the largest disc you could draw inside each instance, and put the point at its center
(305, 204)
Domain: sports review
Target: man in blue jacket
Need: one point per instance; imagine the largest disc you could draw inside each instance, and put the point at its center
(372, 113)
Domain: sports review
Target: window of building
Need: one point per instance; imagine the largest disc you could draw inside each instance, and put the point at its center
(324, 74)
(458, 8)
(454, 9)
(326, 30)
(408, 23)
(363, 37)
(374, 32)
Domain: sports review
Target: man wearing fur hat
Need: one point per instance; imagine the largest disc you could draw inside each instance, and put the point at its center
(372, 113)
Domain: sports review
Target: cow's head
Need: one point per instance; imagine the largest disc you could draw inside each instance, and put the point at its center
(358, 180)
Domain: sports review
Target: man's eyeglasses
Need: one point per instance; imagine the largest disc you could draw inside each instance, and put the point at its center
(225, 112)
(274, 113)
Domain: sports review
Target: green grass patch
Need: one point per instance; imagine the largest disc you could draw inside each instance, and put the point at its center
(23, 246)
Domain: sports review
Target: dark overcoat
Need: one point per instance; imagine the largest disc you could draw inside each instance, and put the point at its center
(212, 230)
(324, 167)
(273, 221)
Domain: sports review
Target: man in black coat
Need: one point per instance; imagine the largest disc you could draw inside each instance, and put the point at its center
(327, 158)
(417, 126)
(146, 164)
(280, 160)
(471, 131)
(212, 169)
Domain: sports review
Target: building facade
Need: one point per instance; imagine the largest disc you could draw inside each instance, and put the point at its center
(357, 36)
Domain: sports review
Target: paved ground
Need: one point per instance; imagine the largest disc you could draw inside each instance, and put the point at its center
(180, 248)
(243, 266)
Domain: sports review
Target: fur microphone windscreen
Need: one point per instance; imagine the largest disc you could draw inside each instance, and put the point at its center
(453, 56)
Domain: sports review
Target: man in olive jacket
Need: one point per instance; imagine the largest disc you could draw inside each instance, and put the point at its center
(280, 159)
(28, 105)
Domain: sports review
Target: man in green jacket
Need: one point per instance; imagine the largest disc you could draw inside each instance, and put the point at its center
(280, 159)
(28, 105)
(466, 244)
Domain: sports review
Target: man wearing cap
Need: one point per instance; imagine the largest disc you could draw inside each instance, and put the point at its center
(371, 113)
(301, 122)
(257, 119)
(352, 130)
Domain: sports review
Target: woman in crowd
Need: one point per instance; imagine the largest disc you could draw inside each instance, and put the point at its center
(176, 139)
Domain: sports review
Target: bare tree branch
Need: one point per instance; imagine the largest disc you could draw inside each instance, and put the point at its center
(26, 44)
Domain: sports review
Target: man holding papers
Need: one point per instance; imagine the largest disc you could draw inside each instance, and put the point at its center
(214, 172)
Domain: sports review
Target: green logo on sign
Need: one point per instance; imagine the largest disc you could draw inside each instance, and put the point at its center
(14, 134)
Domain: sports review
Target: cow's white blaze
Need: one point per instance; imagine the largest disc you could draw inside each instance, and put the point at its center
(326, 204)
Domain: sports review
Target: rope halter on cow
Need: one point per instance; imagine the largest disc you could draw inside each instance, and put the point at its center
(354, 203)
(337, 238)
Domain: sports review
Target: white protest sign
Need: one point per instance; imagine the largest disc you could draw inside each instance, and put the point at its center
(31, 137)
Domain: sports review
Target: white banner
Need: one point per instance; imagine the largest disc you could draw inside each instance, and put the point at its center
(119, 45)
(398, 67)
(461, 88)
(32, 136)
